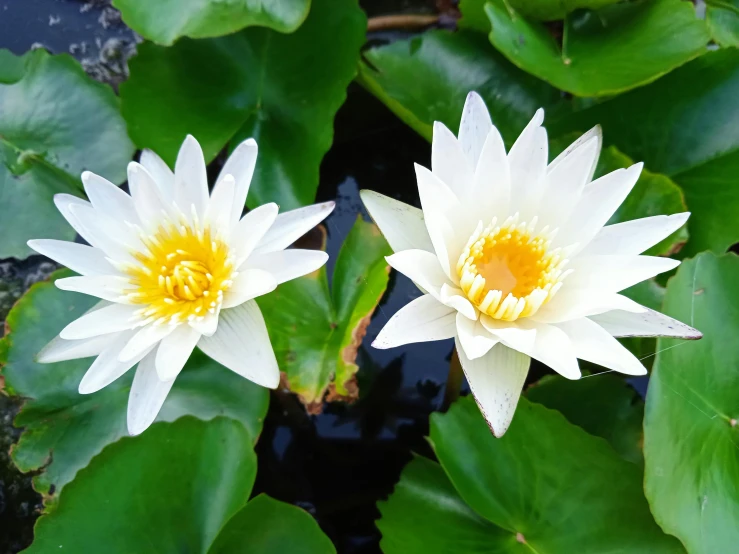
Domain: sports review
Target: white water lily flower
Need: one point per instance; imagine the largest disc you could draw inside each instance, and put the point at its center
(516, 261)
(175, 269)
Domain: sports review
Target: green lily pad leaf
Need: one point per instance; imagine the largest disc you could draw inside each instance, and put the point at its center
(256, 83)
(547, 483)
(165, 21)
(685, 126)
(64, 429)
(55, 122)
(427, 78)
(722, 17)
(316, 332)
(266, 526)
(603, 405)
(473, 11)
(602, 52)
(691, 434)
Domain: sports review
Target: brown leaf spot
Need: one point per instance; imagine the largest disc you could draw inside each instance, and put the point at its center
(352, 388)
(284, 381)
(676, 248)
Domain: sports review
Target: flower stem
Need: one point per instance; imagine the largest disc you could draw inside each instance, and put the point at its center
(401, 21)
(453, 382)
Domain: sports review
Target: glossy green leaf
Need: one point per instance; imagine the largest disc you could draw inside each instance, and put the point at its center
(547, 483)
(427, 78)
(63, 429)
(316, 332)
(604, 405)
(686, 126)
(55, 122)
(164, 21)
(602, 52)
(722, 17)
(691, 434)
(473, 11)
(283, 90)
(266, 526)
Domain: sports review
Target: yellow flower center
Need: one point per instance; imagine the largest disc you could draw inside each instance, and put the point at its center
(508, 271)
(182, 275)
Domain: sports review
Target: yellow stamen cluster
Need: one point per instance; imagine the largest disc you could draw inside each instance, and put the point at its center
(508, 271)
(181, 274)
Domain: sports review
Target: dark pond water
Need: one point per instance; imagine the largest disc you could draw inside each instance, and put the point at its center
(336, 465)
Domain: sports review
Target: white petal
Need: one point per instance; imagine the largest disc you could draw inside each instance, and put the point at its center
(111, 236)
(108, 199)
(59, 350)
(528, 162)
(143, 340)
(147, 197)
(474, 127)
(616, 273)
(190, 178)
(106, 368)
(249, 283)
(492, 184)
(251, 229)
(208, 325)
(449, 163)
(574, 303)
(421, 267)
(553, 347)
(455, 298)
(422, 320)
(147, 396)
(110, 319)
(594, 344)
(597, 133)
(218, 214)
(402, 225)
(287, 265)
(81, 258)
(174, 351)
(242, 345)
(163, 176)
(290, 226)
(646, 324)
(598, 202)
(64, 203)
(496, 381)
(241, 165)
(474, 338)
(511, 333)
(107, 287)
(634, 237)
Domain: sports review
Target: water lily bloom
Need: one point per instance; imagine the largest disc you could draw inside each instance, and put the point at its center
(516, 261)
(175, 268)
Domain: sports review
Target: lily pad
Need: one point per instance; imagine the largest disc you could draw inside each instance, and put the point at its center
(547, 484)
(427, 78)
(685, 126)
(316, 332)
(179, 487)
(722, 17)
(473, 11)
(691, 434)
(602, 52)
(63, 429)
(55, 122)
(256, 83)
(165, 21)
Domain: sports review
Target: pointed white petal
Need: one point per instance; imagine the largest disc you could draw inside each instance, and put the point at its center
(422, 320)
(511, 333)
(646, 324)
(218, 214)
(455, 298)
(449, 163)
(59, 350)
(147, 197)
(147, 396)
(242, 345)
(113, 237)
(594, 133)
(421, 267)
(528, 162)
(143, 340)
(174, 351)
(615, 273)
(496, 381)
(251, 229)
(108, 199)
(110, 319)
(594, 344)
(402, 225)
(574, 303)
(163, 176)
(106, 368)
(474, 127)
(208, 325)
(249, 283)
(634, 237)
(80, 258)
(553, 347)
(290, 226)
(107, 287)
(241, 165)
(286, 265)
(492, 184)
(474, 338)
(64, 203)
(190, 178)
